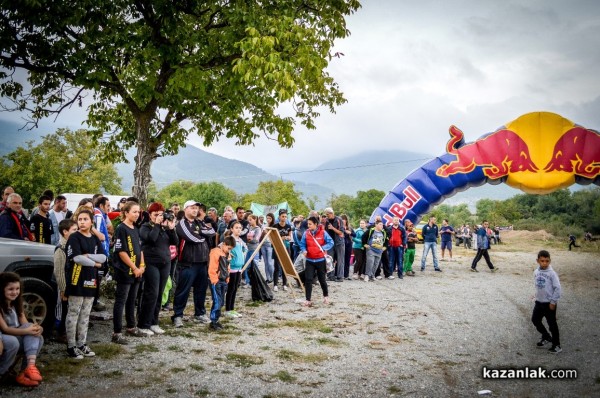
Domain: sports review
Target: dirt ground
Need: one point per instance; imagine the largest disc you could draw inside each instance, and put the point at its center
(428, 335)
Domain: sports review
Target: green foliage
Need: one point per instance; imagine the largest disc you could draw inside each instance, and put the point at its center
(224, 67)
(212, 194)
(456, 215)
(358, 207)
(65, 161)
(274, 192)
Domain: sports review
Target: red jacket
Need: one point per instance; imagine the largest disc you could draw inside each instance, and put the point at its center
(313, 250)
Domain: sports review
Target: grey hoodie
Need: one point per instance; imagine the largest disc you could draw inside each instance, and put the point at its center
(547, 285)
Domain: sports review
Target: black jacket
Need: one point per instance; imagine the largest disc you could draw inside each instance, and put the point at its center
(155, 243)
(193, 245)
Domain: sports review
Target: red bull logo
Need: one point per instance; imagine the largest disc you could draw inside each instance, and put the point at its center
(400, 210)
(577, 151)
(538, 152)
(500, 153)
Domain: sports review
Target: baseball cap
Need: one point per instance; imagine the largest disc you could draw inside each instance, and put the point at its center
(191, 203)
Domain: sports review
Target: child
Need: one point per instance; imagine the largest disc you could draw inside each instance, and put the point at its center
(85, 256)
(238, 256)
(218, 272)
(66, 227)
(547, 295)
(128, 260)
(409, 255)
(18, 335)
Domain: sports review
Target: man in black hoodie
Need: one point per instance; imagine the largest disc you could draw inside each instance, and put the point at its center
(192, 263)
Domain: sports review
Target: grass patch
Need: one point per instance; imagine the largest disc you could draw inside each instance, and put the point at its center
(203, 393)
(284, 376)
(394, 390)
(177, 370)
(296, 356)
(108, 350)
(180, 333)
(114, 373)
(174, 348)
(326, 329)
(255, 304)
(57, 370)
(264, 348)
(142, 348)
(268, 326)
(171, 390)
(243, 360)
(306, 324)
(329, 342)
(198, 350)
(197, 367)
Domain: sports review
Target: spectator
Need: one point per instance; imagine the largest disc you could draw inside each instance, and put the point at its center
(267, 248)
(56, 215)
(314, 245)
(358, 250)
(446, 232)
(13, 224)
(430, 234)
(335, 228)
(40, 224)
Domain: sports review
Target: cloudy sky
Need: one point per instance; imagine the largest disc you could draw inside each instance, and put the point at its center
(413, 68)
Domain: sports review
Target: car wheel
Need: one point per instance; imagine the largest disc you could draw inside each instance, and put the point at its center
(38, 302)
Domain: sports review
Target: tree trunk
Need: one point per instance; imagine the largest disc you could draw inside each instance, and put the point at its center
(146, 153)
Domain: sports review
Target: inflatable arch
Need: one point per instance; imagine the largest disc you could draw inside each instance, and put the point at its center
(537, 153)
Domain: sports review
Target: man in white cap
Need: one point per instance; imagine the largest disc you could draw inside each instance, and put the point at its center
(192, 263)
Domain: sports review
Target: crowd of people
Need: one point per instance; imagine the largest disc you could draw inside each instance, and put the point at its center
(197, 250)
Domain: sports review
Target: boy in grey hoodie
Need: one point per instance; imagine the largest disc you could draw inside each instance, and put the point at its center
(547, 295)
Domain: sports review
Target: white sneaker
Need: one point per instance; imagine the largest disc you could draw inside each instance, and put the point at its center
(229, 314)
(275, 288)
(379, 277)
(390, 277)
(144, 333)
(285, 288)
(178, 322)
(366, 278)
(157, 329)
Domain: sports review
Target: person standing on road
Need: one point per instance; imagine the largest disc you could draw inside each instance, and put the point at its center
(397, 235)
(430, 234)
(446, 233)
(547, 294)
(483, 245)
(314, 245)
(335, 228)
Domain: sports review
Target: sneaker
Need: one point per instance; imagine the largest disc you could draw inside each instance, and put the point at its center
(438, 270)
(229, 314)
(178, 322)
(325, 300)
(166, 308)
(366, 278)
(494, 269)
(73, 352)
(355, 276)
(390, 277)
(236, 314)
(543, 341)
(307, 304)
(275, 288)
(25, 381)
(32, 373)
(474, 270)
(85, 350)
(422, 269)
(157, 329)
(143, 332)
(285, 288)
(379, 277)
(118, 338)
(555, 349)
(201, 319)
(401, 276)
(216, 326)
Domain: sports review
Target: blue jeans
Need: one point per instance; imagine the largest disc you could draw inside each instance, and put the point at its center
(396, 259)
(218, 291)
(13, 345)
(195, 276)
(254, 263)
(267, 256)
(426, 247)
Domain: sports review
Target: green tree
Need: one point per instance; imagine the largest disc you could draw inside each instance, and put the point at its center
(224, 67)
(343, 204)
(211, 194)
(65, 161)
(365, 203)
(274, 192)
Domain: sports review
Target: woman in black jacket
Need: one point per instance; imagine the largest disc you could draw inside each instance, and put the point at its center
(156, 236)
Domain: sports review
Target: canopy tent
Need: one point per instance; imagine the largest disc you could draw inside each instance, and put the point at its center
(263, 210)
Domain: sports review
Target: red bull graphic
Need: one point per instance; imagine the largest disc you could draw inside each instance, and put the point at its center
(577, 151)
(538, 153)
(500, 153)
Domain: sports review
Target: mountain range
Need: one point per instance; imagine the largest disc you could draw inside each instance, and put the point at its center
(380, 170)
